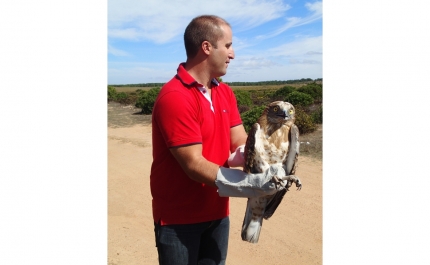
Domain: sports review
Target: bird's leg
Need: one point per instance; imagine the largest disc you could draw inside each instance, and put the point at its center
(279, 182)
(290, 179)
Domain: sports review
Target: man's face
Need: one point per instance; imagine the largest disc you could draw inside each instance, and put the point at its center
(221, 56)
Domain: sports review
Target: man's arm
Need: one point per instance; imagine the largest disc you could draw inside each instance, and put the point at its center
(195, 165)
(237, 137)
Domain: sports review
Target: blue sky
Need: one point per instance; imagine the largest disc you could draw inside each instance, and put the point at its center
(273, 39)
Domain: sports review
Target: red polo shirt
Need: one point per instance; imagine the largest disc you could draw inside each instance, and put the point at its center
(182, 116)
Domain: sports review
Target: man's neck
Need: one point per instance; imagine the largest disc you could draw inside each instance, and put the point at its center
(199, 72)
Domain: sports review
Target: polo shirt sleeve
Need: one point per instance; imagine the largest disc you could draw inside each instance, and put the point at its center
(177, 119)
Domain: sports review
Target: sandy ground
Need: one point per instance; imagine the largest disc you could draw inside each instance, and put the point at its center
(293, 235)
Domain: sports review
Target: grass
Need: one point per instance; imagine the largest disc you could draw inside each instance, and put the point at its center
(129, 89)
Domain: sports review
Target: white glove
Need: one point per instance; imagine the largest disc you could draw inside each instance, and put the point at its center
(236, 183)
(237, 159)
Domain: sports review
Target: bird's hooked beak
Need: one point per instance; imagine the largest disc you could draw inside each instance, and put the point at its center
(284, 115)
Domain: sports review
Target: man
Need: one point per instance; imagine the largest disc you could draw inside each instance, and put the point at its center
(195, 127)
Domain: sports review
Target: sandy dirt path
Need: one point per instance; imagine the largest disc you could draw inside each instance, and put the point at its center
(293, 235)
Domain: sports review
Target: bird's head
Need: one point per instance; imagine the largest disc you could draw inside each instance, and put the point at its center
(281, 112)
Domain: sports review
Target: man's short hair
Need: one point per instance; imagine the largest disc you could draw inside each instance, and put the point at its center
(202, 28)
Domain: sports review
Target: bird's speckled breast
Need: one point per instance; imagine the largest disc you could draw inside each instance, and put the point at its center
(267, 152)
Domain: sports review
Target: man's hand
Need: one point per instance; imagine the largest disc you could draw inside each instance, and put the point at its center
(237, 159)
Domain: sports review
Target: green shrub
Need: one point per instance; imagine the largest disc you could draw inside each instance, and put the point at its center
(299, 99)
(312, 89)
(282, 93)
(304, 122)
(112, 93)
(251, 116)
(317, 115)
(146, 100)
(243, 98)
(122, 97)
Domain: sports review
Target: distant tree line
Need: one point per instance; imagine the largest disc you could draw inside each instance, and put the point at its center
(274, 82)
(260, 83)
(141, 85)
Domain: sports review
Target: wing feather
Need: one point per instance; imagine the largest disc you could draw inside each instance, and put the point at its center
(249, 154)
(289, 164)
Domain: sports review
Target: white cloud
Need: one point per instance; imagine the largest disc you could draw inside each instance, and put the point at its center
(315, 8)
(290, 61)
(253, 62)
(275, 72)
(128, 33)
(306, 46)
(297, 61)
(160, 21)
(117, 52)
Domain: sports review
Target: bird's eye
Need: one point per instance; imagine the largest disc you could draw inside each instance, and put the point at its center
(275, 109)
(291, 111)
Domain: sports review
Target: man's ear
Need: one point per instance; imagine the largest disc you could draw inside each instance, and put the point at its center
(206, 47)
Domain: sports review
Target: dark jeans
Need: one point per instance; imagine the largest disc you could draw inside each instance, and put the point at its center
(202, 243)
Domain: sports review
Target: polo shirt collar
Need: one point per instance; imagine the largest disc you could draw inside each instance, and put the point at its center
(187, 79)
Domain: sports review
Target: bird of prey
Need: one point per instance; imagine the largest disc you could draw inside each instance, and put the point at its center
(273, 139)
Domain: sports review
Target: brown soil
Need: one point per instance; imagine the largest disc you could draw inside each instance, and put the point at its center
(293, 235)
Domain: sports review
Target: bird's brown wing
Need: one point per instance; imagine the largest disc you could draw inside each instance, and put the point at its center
(249, 154)
(290, 164)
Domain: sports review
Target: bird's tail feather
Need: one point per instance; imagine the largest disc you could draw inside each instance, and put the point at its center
(252, 231)
(251, 226)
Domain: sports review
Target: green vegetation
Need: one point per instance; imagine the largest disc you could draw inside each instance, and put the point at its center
(146, 100)
(312, 89)
(282, 93)
(112, 93)
(251, 116)
(244, 101)
(317, 115)
(304, 121)
(299, 99)
(252, 97)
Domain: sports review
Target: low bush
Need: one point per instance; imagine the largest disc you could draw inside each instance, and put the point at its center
(146, 100)
(317, 115)
(243, 100)
(299, 99)
(251, 116)
(282, 93)
(122, 98)
(112, 93)
(314, 90)
(304, 121)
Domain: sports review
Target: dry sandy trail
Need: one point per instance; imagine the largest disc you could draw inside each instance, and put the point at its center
(293, 235)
